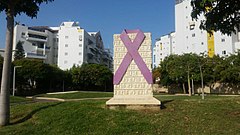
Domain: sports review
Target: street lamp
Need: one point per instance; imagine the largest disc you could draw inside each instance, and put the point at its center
(14, 72)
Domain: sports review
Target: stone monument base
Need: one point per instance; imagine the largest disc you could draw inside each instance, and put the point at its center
(134, 103)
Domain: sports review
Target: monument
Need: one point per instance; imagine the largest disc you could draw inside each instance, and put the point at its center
(132, 77)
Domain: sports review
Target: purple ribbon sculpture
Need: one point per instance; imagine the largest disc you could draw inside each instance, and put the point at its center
(132, 54)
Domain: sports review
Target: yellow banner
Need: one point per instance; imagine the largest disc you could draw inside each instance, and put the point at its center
(210, 41)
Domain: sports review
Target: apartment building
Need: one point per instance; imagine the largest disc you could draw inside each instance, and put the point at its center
(37, 42)
(65, 46)
(76, 46)
(164, 46)
(189, 38)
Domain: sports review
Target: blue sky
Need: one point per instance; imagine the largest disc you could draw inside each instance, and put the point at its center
(108, 16)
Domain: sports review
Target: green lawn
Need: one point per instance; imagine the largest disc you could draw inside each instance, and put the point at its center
(78, 95)
(16, 99)
(180, 115)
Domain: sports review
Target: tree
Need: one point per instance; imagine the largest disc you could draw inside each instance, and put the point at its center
(12, 8)
(19, 53)
(156, 74)
(92, 77)
(221, 15)
(231, 72)
(36, 77)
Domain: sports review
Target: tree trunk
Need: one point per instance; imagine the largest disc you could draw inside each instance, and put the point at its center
(184, 89)
(5, 86)
(189, 85)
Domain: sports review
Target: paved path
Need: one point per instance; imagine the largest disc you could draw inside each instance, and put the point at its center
(47, 99)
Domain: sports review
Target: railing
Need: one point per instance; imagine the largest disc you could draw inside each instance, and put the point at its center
(35, 55)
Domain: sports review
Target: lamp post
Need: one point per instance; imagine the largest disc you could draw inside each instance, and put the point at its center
(14, 72)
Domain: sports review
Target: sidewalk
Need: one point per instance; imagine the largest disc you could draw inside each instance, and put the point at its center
(47, 99)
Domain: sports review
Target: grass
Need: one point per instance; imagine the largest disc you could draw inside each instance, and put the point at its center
(181, 115)
(79, 95)
(15, 99)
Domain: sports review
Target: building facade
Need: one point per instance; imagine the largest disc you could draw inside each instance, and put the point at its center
(37, 42)
(164, 47)
(65, 46)
(189, 38)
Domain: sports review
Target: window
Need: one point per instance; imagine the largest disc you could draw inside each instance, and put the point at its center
(224, 52)
(66, 37)
(66, 53)
(193, 35)
(23, 34)
(160, 53)
(79, 62)
(55, 39)
(80, 45)
(65, 62)
(192, 26)
(80, 37)
(223, 40)
(33, 44)
(66, 45)
(202, 43)
(80, 53)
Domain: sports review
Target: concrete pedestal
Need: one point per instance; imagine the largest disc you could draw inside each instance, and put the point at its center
(134, 103)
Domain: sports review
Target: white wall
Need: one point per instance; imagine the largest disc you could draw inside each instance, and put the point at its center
(70, 47)
(195, 40)
(21, 33)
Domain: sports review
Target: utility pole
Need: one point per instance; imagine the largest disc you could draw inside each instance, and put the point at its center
(14, 75)
(201, 80)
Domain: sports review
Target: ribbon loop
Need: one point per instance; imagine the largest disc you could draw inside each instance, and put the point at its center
(132, 54)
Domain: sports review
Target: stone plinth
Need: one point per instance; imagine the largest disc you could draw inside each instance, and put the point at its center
(133, 90)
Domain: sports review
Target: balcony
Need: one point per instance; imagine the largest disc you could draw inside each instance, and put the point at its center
(36, 38)
(35, 56)
(37, 32)
(92, 61)
(47, 49)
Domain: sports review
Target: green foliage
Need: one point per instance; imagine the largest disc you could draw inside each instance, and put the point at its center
(175, 68)
(37, 77)
(231, 73)
(221, 15)
(92, 77)
(29, 7)
(156, 74)
(19, 53)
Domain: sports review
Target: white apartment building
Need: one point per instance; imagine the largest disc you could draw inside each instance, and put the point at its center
(189, 38)
(37, 42)
(164, 47)
(76, 46)
(64, 46)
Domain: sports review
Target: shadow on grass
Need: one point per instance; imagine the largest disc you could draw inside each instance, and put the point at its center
(29, 116)
(165, 102)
